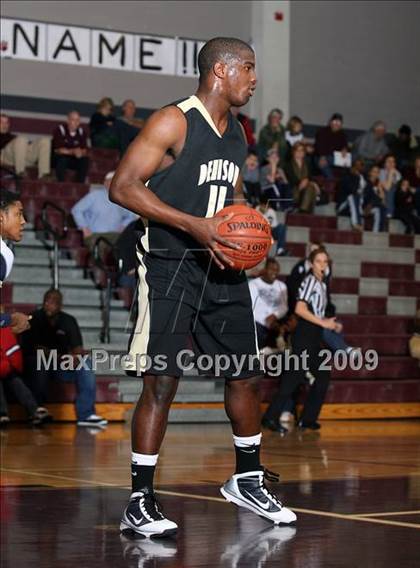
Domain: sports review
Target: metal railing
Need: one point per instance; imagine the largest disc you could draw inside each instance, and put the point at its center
(57, 233)
(111, 273)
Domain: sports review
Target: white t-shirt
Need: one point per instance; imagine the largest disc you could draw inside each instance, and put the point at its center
(293, 138)
(268, 299)
(270, 215)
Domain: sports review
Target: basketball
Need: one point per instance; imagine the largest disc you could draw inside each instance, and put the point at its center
(249, 229)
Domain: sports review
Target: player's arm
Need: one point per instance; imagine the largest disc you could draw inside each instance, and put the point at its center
(166, 129)
(238, 191)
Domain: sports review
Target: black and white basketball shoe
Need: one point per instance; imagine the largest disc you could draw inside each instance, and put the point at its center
(249, 490)
(143, 516)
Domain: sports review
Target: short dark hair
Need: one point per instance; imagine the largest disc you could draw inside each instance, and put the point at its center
(7, 198)
(53, 291)
(271, 260)
(219, 49)
(316, 252)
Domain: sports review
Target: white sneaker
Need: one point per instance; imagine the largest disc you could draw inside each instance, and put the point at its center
(249, 490)
(93, 420)
(139, 553)
(144, 516)
(286, 416)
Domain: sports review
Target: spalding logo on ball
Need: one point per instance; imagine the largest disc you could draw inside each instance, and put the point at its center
(249, 229)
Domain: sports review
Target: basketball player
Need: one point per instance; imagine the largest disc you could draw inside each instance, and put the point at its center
(186, 288)
(12, 223)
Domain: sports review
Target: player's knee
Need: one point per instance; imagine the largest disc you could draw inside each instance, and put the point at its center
(161, 390)
(250, 385)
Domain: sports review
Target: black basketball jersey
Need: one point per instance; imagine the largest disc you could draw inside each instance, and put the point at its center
(200, 182)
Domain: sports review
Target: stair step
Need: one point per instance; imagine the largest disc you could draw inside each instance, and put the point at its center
(388, 368)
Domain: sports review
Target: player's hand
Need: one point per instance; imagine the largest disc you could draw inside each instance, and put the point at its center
(20, 322)
(329, 323)
(204, 230)
(270, 321)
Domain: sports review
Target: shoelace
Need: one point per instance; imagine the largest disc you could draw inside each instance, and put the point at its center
(270, 476)
(150, 505)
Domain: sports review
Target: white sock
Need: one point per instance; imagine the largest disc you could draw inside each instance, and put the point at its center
(244, 441)
(144, 459)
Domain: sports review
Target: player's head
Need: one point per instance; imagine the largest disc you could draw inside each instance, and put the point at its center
(12, 220)
(271, 270)
(319, 262)
(53, 302)
(227, 67)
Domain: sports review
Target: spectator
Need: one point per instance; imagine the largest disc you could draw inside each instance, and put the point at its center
(269, 303)
(374, 199)
(272, 136)
(413, 175)
(350, 195)
(389, 177)
(278, 230)
(328, 140)
(127, 126)
(274, 182)
(125, 248)
(247, 126)
(402, 146)
(102, 130)
(294, 131)
(251, 179)
(297, 170)
(96, 216)
(19, 152)
(56, 332)
(11, 367)
(405, 207)
(70, 148)
(414, 343)
(371, 146)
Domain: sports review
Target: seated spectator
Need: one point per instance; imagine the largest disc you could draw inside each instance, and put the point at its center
(56, 332)
(272, 136)
(19, 152)
(403, 146)
(274, 182)
(70, 148)
(328, 140)
(251, 179)
(11, 368)
(102, 131)
(414, 343)
(371, 146)
(278, 230)
(374, 199)
(298, 173)
(247, 126)
(294, 131)
(350, 195)
(405, 207)
(125, 249)
(127, 126)
(412, 173)
(96, 216)
(389, 177)
(269, 304)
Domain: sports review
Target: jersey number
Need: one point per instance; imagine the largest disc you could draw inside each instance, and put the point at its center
(216, 199)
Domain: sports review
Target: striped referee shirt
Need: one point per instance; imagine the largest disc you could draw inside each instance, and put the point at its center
(314, 294)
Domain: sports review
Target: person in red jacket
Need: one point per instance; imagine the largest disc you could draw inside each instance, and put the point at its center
(11, 366)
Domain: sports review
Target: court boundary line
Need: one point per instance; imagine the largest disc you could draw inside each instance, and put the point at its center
(390, 514)
(349, 517)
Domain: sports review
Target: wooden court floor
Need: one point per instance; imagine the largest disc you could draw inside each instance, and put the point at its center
(355, 487)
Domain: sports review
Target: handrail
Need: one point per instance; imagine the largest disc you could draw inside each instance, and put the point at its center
(106, 294)
(47, 226)
(57, 235)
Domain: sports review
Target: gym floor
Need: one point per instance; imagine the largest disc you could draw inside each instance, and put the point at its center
(355, 487)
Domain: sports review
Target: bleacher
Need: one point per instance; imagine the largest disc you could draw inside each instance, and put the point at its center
(375, 286)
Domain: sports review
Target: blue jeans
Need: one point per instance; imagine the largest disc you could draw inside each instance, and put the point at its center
(334, 340)
(326, 170)
(279, 233)
(84, 380)
(390, 200)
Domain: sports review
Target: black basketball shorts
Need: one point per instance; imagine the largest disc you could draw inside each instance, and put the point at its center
(191, 313)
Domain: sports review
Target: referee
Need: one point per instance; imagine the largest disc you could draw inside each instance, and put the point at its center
(310, 309)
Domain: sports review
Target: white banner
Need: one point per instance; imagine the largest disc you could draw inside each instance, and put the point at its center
(75, 45)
